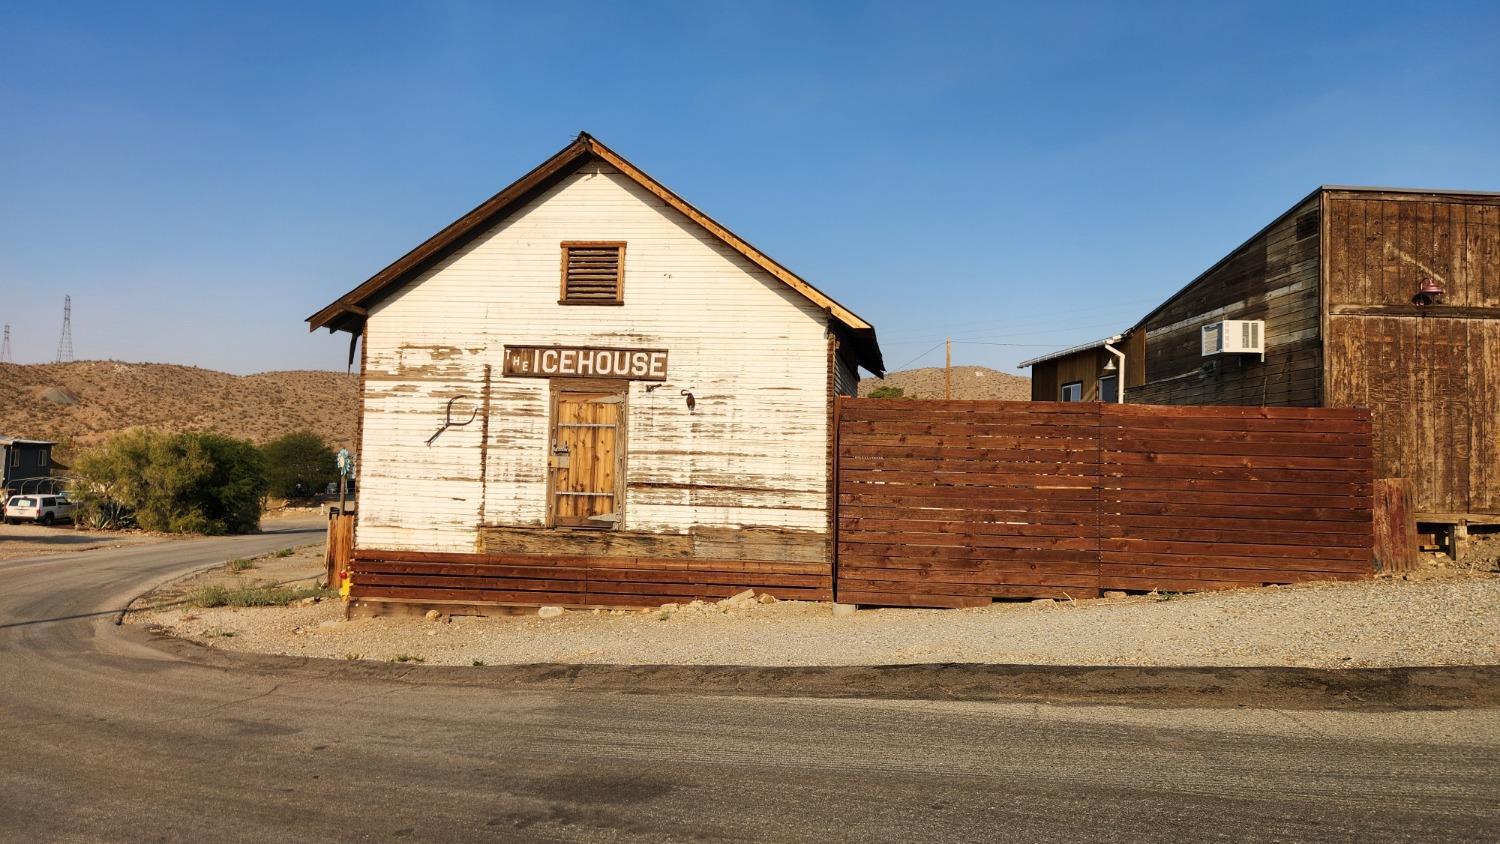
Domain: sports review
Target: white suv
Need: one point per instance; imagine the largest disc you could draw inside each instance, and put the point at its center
(42, 509)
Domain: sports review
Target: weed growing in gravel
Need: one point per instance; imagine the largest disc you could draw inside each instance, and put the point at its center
(237, 566)
(351, 656)
(254, 596)
(285, 552)
(663, 615)
(407, 658)
(1167, 596)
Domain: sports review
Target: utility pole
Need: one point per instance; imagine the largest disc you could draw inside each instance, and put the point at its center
(948, 373)
(5, 345)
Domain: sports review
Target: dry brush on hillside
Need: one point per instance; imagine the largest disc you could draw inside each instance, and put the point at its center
(969, 383)
(81, 403)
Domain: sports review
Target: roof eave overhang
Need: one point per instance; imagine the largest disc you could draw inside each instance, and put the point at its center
(1072, 350)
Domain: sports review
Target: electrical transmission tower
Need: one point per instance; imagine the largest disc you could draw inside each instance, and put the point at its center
(5, 345)
(65, 342)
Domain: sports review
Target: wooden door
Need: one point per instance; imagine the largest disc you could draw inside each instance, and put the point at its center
(586, 463)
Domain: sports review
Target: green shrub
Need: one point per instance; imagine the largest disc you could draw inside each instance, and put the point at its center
(301, 458)
(175, 483)
(254, 596)
(887, 393)
(210, 596)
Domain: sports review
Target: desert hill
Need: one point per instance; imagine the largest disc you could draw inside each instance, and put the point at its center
(81, 403)
(969, 382)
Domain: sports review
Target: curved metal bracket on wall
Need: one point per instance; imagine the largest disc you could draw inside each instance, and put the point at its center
(448, 419)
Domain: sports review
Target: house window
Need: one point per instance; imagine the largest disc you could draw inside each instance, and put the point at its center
(1072, 391)
(593, 273)
(1109, 388)
(15, 457)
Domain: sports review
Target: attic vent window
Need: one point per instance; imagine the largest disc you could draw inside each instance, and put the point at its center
(593, 273)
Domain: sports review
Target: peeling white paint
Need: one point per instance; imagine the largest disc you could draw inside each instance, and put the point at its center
(752, 351)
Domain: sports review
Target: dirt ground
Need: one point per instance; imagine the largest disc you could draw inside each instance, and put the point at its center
(302, 566)
(1441, 616)
(27, 540)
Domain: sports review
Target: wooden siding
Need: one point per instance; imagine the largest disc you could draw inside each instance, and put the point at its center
(1134, 347)
(1048, 377)
(1044, 381)
(845, 377)
(33, 460)
(753, 351)
(952, 504)
(1429, 374)
(1273, 277)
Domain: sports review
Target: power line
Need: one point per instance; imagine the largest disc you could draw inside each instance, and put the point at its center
(65, 342)
(1017, 345)
(923, 355)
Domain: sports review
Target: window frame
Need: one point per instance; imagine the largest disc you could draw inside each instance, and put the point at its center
(1113, 376)
(562, 294)
(1062, 391)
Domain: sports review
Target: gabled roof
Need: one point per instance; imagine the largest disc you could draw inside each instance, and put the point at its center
(1487, 197)
(23, 441)
(348, 312)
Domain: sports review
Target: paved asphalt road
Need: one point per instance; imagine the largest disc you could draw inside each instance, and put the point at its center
(110, 734)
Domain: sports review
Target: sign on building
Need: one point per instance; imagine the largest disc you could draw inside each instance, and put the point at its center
(585, 362)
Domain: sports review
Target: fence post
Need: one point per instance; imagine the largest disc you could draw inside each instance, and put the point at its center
(1395, 526)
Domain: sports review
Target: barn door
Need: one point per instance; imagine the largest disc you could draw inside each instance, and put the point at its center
(586, 461)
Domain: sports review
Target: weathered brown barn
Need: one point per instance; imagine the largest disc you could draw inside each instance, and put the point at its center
(1358, 297)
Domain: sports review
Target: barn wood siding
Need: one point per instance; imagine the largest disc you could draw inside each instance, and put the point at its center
(1273, 277)
(1044, 381)
(752, 351)
(1428, 374)
(952, 504)
(1086, 366)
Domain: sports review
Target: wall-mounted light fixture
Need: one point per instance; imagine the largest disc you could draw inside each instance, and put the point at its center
(1429, 292)
(691, 402)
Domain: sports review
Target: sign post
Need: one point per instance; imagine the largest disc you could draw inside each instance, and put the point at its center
(345, 463)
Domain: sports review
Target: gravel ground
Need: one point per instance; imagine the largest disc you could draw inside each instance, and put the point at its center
(1450, 619)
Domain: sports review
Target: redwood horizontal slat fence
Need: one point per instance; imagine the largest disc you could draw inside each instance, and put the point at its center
(953, 504)
(575, 580)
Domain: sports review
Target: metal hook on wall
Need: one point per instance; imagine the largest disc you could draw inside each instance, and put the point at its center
(448, 418)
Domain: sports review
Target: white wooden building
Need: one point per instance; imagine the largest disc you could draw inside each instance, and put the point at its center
(638, 404)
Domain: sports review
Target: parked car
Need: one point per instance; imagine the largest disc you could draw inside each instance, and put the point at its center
(42, 509)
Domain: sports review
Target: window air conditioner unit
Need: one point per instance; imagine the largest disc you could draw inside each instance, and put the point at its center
(1235, 337)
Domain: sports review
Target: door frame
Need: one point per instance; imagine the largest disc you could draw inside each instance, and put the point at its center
(560, 386)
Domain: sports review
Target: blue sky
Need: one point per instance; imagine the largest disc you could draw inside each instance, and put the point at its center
(201, 177)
